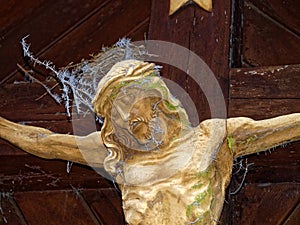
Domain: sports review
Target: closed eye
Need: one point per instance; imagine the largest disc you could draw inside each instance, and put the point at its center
(134, 123)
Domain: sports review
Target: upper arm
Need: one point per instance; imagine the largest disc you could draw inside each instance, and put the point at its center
(247, 136)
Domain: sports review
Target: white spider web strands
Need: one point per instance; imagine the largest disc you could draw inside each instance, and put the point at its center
(79, 82)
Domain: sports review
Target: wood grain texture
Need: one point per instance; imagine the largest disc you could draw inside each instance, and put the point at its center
(9, 211)
(268, 167)
(29, 173)
(267, 42)
(23, 100)
(84, 31)
(19, 12)
(293, 218)
(262, 108)
(266, 203)
(106, 204)
(56, 207)
(274, 82)
(195, 29)
(45, 22)
(284, 12)
(104, 28)
(175, 29)
(210, 40)
(261, 93)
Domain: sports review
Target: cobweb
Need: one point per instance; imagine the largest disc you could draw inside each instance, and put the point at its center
(79, 82)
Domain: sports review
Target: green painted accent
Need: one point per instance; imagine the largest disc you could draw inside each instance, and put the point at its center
(204, 179)
(230, 142)
(170, 106)
(249, 140)
(142, 82)
(189, 209)
(196, 203)
(204, 175)
(197, 186)
(201, 196)
(156, 85)
(153, 75)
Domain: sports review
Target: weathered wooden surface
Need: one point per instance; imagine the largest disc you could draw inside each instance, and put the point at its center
(265, 108)
(73, 206)
(266, 203)
(264, 92)
(206, 34)
(293, 218)
(270, 42)
(35, 204)
(28, 173)
(106, 204)
(273, 82)
(286, 12)
(10, 213)
(70, 204)
(112, 22)
(266, 40)
(33, 106)
(21, 99)
(86, 28)
(39, 24)
(267, 167)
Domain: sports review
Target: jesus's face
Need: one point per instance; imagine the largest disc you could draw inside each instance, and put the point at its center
(137, 119)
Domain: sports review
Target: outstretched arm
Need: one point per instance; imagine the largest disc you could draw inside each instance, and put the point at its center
(88, 150)
(247, 136)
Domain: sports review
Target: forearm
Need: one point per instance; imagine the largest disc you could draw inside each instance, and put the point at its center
(41, 142)
(247, 136)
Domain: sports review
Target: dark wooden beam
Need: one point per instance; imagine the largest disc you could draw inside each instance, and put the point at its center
(46, 25)
(67, 32)
(272, 82)
(268, 41)
(285, 12)
(206, 34)
(267, 204)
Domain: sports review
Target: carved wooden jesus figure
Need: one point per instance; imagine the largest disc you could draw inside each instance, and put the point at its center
(168, 171)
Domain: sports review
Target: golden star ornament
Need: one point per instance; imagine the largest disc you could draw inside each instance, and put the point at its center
(176, 4)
